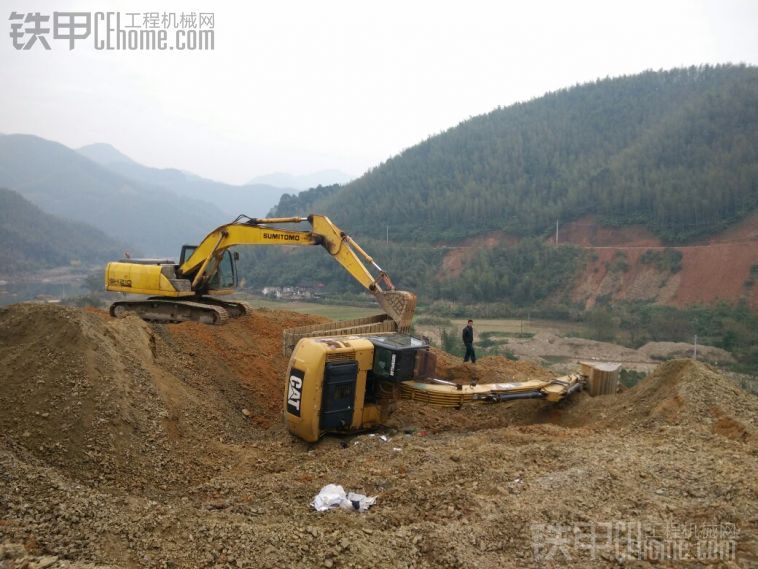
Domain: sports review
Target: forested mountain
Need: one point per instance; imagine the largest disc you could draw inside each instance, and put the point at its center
(306, 202)
(674, 150)
(253, 199)
(33, 240)
(62, 182)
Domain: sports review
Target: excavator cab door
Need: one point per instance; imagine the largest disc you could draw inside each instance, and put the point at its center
(338, 400)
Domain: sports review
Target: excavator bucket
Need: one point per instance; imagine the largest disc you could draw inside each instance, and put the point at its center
(399, 305)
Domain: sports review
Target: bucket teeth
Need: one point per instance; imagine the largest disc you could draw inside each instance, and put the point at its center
(400, 305)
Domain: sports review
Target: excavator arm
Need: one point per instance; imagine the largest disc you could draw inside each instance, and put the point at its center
(205, 259)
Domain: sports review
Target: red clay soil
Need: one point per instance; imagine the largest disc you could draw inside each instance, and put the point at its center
(455, 260)
(714, 269)
(249, 351)
(587, 232)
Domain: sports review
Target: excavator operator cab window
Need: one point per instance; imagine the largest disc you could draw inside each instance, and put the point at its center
(395, 356)
(226, 275)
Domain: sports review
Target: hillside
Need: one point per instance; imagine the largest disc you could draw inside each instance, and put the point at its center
(253, 199)
(33, 240)
(62, 182)
(662, 159)
(675, 151)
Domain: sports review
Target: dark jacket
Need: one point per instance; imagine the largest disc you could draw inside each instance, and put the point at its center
(468, 335)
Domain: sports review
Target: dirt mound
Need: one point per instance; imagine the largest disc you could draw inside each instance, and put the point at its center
(125, 444)
(243, 359)
(686, 392)
(673, 350)
(127, 404)
(77, 393)
(680, 393)
(489, 369)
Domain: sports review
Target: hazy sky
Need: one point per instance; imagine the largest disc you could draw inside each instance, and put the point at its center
(299, 86)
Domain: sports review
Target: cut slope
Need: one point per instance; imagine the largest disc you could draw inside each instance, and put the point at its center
(718, 268)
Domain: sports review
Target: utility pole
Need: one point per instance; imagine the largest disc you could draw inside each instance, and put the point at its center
(556, 231)
(694, 351)
(388, 234)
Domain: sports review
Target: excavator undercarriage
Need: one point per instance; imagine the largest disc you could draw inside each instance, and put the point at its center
(203, 309)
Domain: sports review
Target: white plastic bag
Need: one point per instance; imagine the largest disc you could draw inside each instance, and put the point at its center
(333, 496)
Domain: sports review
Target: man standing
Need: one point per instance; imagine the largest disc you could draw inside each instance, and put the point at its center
(468, 341)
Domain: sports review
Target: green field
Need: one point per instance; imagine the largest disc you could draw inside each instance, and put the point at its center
(509, 326)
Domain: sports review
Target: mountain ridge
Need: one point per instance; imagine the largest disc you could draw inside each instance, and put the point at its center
(254, 200)
(672, 150)
(34, 240)
(64, 183)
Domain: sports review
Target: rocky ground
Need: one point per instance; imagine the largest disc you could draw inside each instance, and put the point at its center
(125, 444)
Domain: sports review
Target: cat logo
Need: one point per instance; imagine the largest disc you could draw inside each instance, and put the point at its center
(295, 392)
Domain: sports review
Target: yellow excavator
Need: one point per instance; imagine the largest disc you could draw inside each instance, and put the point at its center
(348, 384)
(182, 291)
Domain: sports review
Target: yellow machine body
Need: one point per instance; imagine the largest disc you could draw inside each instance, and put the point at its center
(304, 393)
(142, 279)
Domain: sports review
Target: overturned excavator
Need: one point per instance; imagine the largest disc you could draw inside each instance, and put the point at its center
(350, 383)
(188, 290)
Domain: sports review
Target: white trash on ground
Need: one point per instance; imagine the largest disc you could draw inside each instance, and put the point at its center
(333, 496)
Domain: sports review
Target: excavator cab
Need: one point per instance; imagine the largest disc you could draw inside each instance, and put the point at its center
(225, 277)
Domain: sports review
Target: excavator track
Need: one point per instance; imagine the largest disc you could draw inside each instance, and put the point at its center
(235, 308)
(171, 311)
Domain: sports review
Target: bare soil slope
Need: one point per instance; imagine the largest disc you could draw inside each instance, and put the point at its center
(714, 269)
(125, 444)
(718, 268)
